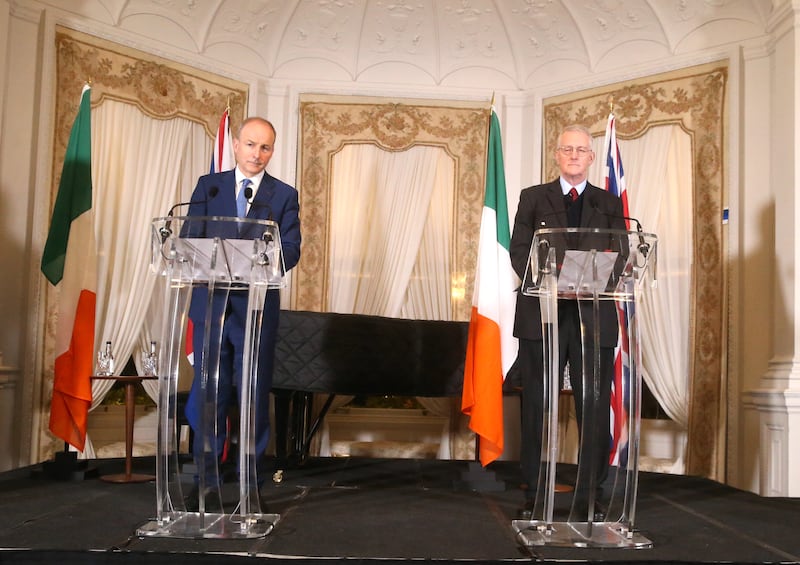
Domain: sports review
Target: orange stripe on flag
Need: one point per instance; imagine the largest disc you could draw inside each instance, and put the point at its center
(483, 379)
(72, 386)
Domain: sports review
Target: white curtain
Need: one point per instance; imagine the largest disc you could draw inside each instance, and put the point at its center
(390, 242)
(140, 167)
(381, 205)
(658, 177)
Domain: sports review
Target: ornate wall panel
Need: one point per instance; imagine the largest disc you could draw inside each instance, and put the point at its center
(694, 99)
(160, 88)
(329, 123)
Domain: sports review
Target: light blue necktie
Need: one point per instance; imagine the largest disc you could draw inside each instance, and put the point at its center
(241, 199)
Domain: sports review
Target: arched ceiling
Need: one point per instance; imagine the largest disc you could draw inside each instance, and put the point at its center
(511, 44)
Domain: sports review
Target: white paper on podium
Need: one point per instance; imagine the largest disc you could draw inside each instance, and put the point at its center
(578, 271)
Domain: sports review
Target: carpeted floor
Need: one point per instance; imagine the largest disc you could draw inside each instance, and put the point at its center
(363, 510)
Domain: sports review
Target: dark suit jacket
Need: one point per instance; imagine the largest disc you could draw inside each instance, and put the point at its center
(542, 206)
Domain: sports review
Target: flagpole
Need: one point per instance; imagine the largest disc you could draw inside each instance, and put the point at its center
(476, 469)
(482, 397)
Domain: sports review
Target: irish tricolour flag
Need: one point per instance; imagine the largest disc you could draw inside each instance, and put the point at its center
(69, 262)
(491, 346)
(620, 387)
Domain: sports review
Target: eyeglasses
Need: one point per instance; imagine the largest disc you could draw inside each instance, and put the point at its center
(570, 150)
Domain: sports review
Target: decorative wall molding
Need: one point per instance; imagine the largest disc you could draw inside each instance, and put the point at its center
(160, 88)
(694, 99)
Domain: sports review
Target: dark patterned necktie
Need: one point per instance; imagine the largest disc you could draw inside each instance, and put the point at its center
(573, 193)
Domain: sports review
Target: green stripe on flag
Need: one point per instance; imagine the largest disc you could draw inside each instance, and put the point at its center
(74, 195)
(495, 197)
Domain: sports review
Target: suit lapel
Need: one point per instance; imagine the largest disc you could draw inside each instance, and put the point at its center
(223, 205)
(260, 208)
(227, 201)
(555, 198)
(591, 207)
(556, 218)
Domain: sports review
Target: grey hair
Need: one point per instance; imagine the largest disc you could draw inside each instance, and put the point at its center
(575, 127)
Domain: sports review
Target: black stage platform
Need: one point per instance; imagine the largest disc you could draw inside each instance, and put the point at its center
(382, 511)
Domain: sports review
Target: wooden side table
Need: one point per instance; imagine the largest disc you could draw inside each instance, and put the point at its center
(130, 382)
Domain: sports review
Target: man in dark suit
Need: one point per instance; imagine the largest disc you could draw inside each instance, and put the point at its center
(260, 196)
(569, 201)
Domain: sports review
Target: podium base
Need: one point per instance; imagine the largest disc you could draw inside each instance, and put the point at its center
(193, 525)
(579, 534)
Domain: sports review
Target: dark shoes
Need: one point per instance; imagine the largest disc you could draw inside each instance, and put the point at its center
(579, 514)
(526, 512)
(600, 512)
(582, 512)
(212, 501)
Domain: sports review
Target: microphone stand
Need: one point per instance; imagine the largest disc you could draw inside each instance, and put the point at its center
(166, 230)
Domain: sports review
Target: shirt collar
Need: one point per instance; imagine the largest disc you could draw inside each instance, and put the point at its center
(240, 176)
(565, 186)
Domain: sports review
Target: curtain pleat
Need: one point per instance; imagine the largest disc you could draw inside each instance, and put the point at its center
(140, 167)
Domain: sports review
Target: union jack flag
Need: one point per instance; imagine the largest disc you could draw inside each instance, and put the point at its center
(615, 183)
(221, 160)
(222, 156)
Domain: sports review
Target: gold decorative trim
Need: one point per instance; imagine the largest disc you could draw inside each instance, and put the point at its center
(160, 88)
(328, 123)
(694, 99)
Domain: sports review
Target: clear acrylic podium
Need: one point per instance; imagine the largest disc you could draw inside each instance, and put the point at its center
(218, 255)
(601, 270)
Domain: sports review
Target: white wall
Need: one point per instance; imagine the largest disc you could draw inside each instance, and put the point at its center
(19, 162)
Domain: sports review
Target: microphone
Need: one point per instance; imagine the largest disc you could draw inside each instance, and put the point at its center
(263, 205)
(266, 236)
(212, 193)
(166, 229)
(643, 247)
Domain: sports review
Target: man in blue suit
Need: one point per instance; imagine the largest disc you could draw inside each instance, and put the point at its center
(260, 196)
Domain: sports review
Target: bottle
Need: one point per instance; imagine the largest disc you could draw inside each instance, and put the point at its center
(150, 361)
(105, 361)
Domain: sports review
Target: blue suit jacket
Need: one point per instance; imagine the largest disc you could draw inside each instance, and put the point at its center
(274, 200)
(215, 195)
